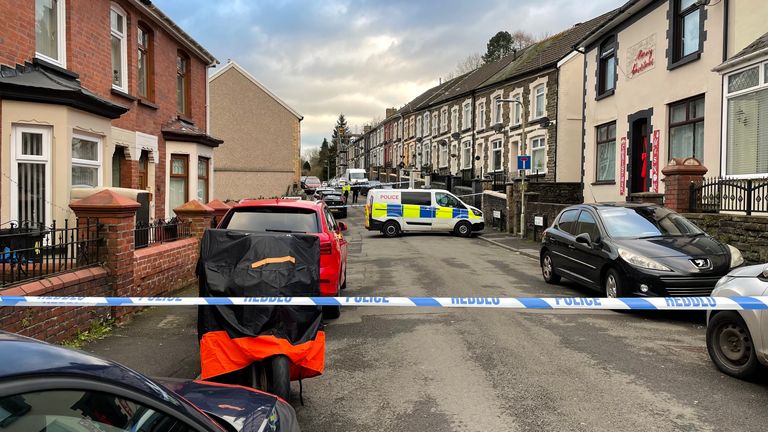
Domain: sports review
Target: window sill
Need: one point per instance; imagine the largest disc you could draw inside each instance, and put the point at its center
(147, 104)
(603, 182)
(684, 61)
(122, 94)
(184, 118)
(605, 94)
(466, 129)
(53, 66)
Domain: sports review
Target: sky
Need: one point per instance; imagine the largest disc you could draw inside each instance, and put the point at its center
(358, 57)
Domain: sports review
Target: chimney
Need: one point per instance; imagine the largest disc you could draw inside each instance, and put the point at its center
(514, 54)
(366, 128)
(390, 112)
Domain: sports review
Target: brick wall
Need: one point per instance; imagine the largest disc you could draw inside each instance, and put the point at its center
(166, 267)
(57, 324)
(748, 234)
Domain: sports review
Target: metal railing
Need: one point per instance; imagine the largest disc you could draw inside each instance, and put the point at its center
(498, 181)
(30, 251)
(160, 231)
(721, 194)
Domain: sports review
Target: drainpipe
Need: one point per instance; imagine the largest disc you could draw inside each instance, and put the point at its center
(474, 137)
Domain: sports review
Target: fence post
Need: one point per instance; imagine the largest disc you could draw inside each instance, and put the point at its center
(117, 216)
(678, 178)
(219, 210)
(749, 197)
(197, 214)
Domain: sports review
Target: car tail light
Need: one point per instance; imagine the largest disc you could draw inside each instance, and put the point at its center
(325, 248)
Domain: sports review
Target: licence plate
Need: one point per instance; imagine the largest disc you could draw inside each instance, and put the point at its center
(335, 210)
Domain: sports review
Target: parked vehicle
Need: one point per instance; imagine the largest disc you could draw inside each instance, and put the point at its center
(395, 211)
(737, 341)
(58, 389)
(370, 185)
(310, 184)
(336, 203)
(306, 217)
(628, 249)
(354, 175)
(318, 195)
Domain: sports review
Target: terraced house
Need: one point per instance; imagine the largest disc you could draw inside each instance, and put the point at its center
(99, 93)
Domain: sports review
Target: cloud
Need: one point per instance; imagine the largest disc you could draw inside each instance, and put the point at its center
(359, 57)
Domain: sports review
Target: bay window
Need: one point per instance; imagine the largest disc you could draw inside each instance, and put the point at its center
(606, 153)
(50, 34)
(686, 129)
(202, 179)
(746, 122)
(118, 28)
(86, 161)
(179, 181)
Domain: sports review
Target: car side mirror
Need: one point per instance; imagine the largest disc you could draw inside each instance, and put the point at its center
(342, 226)
(584, 239)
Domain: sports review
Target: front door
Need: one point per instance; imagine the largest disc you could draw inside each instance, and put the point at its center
(640, 156)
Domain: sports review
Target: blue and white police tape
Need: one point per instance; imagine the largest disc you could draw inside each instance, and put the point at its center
(589, 303)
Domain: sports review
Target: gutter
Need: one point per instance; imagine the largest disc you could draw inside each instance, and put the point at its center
(737, 61)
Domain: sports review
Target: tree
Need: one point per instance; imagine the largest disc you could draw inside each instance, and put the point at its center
(502, 43)
(323, 159)
(337, 141)
(306, 168)
(468, 64)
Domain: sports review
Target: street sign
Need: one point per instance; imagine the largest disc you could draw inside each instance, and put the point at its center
(523, 162)
(497, 214)
(538, 220)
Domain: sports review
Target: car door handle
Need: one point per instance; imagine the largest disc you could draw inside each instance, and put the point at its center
(570, 246)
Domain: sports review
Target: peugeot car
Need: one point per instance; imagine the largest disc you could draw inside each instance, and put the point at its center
(631, 249)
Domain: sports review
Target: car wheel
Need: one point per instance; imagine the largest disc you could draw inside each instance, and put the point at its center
(390, 229)
(463, 229)
(280, 383)
(331, 312)
(612, 284)
(548, 269)
(730, 345)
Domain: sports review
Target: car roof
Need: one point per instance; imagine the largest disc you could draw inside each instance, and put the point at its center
(604, 205)
(278, 202)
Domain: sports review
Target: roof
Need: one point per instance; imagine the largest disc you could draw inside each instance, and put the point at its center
(35, 82)
(757, 48)
(174, 30)
(472, 80)
(233, 65)
(182, 130)
(616, 17)
(546, 53)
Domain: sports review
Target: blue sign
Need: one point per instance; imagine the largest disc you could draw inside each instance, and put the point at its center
(523, 162)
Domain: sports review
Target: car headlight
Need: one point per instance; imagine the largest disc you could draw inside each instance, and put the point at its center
(736, 258)
(638, 260)
(724, 280)
(477, 212)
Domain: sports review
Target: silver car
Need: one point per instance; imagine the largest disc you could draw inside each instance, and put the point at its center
(737, 341)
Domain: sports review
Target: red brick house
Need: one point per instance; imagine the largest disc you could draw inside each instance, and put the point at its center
(99, 93)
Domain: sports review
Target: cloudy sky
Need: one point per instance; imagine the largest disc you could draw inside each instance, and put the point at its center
(357, 57)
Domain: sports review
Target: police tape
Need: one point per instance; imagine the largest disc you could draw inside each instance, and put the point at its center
(581, 303)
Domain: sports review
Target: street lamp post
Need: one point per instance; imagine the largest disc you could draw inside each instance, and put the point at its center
(524, 125)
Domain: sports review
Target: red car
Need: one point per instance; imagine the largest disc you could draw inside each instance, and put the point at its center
(299, 217)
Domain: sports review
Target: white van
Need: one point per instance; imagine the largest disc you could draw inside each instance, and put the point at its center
(354, 176)
(393, 211)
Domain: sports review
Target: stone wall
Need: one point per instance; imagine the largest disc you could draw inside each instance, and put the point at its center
(495, 201)
(749, 234)
(548, 210)
(541, 198)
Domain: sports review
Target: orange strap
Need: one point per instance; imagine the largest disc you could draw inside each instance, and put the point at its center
(266, 261)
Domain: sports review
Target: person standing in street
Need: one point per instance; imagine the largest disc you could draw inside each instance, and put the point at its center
(346, 188)
(355, 193)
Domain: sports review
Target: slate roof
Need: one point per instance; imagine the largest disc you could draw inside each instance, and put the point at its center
(759, 44)
(181, 130)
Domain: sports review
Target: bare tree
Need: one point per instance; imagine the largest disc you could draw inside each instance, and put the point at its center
(469, 63)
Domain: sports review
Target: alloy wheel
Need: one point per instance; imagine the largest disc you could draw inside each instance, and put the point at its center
(546, 267)
(610, 286)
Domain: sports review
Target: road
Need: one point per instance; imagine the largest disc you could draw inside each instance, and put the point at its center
(487, 370)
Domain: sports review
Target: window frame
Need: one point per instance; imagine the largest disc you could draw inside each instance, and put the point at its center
(61, 36)
(181, 55)
(498, 114)
(44, 159)
(536, 105)
(688, 121)
(466, 154)
(500, 150)
(207, 178)
(455, 119)
(517, 110)
(606, 51)
(599, 143)
(86, 163)
(480, 120)
(123, 37)
(677, 18)
(762, 85)
(185, 176)
(444, 119)
(542, 148)
(425, 124)
(419, 128)
(148, 52)
(435, 123)
(444, 155)
(466, 121)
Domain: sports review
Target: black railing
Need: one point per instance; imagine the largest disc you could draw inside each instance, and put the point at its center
(499, 181)
(739, 195)
(161, 231)
(30, 251)
(466, 177)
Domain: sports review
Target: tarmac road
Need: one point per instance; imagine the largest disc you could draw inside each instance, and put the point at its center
(485, 370)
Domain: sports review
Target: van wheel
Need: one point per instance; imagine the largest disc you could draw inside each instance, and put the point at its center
(463, 229)
(391, 229)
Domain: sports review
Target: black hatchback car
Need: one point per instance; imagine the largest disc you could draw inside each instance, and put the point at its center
(634, 250)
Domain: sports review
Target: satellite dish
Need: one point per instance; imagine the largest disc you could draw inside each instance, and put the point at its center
(498, 127)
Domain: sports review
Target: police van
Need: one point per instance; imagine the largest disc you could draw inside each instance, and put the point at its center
(393, 211)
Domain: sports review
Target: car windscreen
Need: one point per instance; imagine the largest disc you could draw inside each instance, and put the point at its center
(313, 180)
(646, 222)
(356, 176)
(274, 219)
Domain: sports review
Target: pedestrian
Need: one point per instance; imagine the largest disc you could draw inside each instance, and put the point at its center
(346, 188)
(355, 193)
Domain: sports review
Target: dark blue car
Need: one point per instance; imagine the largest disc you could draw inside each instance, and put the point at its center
(49, 388)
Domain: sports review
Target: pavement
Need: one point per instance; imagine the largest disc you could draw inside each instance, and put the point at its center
(481, 370)
(512, 243)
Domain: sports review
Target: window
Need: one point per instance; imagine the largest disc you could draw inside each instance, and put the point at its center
(606, 153)
(687, 29)
(587, 225)
(145, 66)
(539, 101)
(686, 129)
(567, 221)
(427, 156)
(418, 126)
(481, 116)
(30, 174)
(466, 121)
(417, 198)
(179, 183)
(444, 199)
(518, 109)
(50, 34)
(81, 410)
(434, 123)
(538, 155)
(455, 119)
(86, 161)
(466, 154)
(202, 179)
(606, 73)
(182, 83)
(496, 155)
(143, 161)
(497, 110)
(444, 155)
(444, 120)
(426, 124)
(747, 122)
(119, 48)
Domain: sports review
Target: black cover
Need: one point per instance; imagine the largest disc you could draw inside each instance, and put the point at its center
(224, 270)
